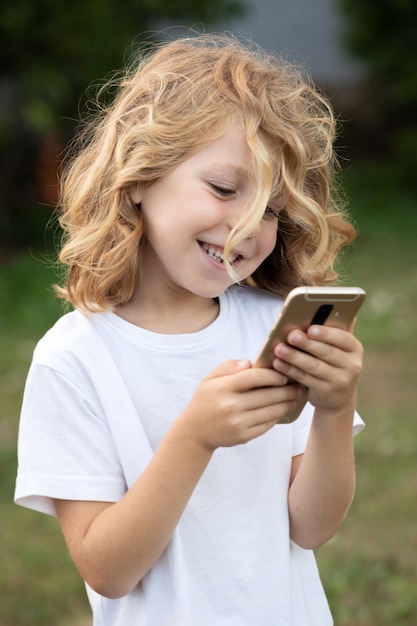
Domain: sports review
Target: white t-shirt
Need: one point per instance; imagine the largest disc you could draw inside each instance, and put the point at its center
(99, 397)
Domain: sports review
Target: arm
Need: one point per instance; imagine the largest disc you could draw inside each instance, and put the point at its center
(114, 544)
(323, 479)
(323, 485)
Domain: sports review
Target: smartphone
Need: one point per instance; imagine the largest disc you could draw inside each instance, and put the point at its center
(304, 306)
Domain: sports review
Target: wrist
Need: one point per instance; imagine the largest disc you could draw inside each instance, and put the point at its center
(340, 415)
(186, 434)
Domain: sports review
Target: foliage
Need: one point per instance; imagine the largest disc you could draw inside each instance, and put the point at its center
(383, 34)
(51, 51)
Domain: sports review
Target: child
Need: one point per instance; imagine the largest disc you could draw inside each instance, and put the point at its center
(196, 201)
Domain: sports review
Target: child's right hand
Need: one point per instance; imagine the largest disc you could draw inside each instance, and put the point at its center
(236, 403)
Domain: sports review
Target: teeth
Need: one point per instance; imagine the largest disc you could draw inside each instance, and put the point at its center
(216, 255)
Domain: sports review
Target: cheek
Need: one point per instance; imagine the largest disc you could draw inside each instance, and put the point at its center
(268, 238)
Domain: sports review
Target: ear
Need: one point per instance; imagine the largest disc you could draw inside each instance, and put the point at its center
(135, 194)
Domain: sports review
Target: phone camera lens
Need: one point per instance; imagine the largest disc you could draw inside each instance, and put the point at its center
(322, 314)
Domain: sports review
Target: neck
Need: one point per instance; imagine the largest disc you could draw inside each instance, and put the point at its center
(182, 314)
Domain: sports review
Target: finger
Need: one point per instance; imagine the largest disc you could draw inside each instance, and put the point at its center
(246, 376)
(307, 371)
(329, 345)
(338, 337)
(271, 397)
(228, 368)
(260, 378)
(260, 429)
(332, 364)
(263, 420)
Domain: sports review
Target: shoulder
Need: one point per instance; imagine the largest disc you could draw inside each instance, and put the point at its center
(71, 337)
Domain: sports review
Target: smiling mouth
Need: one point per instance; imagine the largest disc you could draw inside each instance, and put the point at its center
(217, 254)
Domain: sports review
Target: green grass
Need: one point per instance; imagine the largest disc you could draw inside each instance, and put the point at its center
(38, 583)
(368, 569)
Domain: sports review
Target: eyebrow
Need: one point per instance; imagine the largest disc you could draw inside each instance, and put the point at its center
(241, 172)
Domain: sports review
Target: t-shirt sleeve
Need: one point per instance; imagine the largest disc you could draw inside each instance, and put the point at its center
(302, 425)
(65, 447)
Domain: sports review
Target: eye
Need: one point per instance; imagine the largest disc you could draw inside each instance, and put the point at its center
(225, 192)
(271, 213)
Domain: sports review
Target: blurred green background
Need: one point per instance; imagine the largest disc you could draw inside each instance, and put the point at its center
(50, 52)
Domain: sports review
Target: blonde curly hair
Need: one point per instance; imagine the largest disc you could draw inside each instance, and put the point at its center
(171, 105)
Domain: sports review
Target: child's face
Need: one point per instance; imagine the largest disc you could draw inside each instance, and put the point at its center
(189, 213)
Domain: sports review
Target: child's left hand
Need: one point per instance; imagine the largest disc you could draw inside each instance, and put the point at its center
(328, 361)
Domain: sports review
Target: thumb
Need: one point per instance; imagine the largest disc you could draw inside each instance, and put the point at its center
(229, 367)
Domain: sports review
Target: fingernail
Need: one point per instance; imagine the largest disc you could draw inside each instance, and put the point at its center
(297, 337)
(282, 349)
